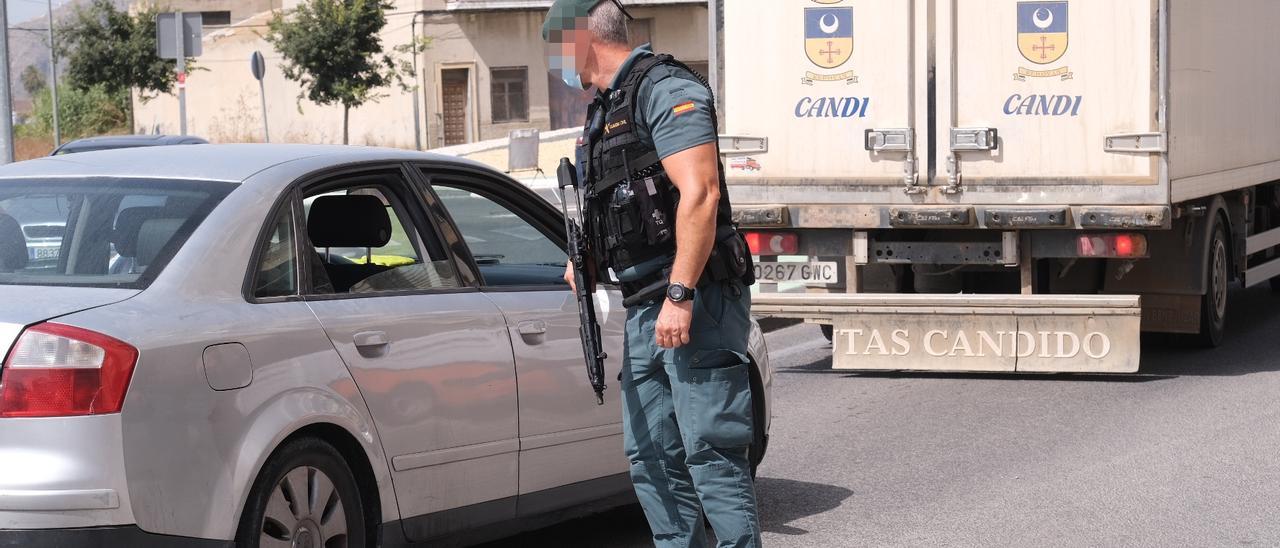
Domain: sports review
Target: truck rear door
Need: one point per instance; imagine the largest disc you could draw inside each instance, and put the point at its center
(1047, 95)
(813, 78)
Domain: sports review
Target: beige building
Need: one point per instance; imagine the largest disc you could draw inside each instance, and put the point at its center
(484, 75)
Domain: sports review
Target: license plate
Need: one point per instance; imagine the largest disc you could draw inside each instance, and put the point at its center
(813, 272)
(44, 253)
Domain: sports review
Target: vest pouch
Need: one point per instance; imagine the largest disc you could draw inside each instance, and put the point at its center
(656, 205)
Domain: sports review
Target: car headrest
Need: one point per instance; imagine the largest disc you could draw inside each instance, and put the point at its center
(349, 221)
(128, 223)
(13, 245)
(153, 235)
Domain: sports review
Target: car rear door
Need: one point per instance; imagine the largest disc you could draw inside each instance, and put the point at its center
(429, 353)
(517, 242)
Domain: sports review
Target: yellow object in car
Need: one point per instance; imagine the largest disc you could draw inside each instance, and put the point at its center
(385, 260)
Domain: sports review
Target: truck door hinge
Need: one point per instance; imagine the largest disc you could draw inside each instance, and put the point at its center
(1137, 142)
(743, 145)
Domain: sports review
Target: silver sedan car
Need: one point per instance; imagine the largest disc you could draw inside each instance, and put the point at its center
(297, 346)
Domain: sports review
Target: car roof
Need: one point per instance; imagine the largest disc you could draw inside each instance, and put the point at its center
(232, 163)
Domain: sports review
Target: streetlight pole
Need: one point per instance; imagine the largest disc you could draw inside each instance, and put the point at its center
(53, 76)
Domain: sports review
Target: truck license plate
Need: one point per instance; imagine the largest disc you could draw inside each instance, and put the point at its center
(814, 272)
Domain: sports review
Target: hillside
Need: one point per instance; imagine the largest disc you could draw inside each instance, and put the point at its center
(30, 47)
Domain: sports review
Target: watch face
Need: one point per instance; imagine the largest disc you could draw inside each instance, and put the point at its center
(676, 293)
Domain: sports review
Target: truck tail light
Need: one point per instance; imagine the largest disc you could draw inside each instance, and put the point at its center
(1112, 245)
(56, 370)
(773, 243)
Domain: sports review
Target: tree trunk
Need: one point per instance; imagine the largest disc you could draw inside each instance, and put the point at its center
(346, 117)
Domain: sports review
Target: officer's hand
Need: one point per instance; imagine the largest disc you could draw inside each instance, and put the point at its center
(672, 330)
(568, 276)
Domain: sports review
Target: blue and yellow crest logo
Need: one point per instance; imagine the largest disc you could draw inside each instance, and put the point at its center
(828, 41)
(1042, 31)
(828, 36)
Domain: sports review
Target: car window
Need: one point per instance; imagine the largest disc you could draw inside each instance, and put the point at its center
(366, 239)
(102, 233)
(277, 269)
(508, 249)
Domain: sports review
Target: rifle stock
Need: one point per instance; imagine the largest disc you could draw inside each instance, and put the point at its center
(584, 280)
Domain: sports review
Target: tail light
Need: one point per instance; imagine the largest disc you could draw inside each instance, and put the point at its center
(773, 243)
(56, 370)
(1112, 245)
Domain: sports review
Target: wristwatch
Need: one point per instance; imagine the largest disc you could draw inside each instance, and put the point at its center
(678, 293)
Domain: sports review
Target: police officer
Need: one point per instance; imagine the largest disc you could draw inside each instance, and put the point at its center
(658, 215)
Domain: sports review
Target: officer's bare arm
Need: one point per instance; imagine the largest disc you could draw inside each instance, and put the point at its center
(694, 172)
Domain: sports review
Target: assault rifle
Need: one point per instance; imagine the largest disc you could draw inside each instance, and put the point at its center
(584, 280)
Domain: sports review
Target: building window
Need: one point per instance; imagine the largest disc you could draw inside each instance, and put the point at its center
(215, 18)
(510, 94)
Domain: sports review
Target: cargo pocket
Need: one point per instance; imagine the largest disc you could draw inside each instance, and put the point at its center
(721, 398)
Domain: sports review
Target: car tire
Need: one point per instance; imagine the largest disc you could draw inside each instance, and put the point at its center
(759, 438)
(1275, 285)
(1213, 305)
(306, 470)
(829, 331)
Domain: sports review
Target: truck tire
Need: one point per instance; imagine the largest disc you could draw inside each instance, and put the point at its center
(1213, 306)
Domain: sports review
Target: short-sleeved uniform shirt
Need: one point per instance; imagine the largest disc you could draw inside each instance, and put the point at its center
(673, 111)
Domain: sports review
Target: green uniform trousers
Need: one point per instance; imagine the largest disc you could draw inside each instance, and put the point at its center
(687, 422)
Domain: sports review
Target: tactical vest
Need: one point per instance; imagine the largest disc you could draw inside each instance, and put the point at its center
(630, 201)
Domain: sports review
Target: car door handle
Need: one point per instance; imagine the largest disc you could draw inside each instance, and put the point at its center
(371, 339)
(535, 327)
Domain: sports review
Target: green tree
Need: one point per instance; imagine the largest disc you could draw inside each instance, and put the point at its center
(333, 49)
(104, 46)
(84, 112)
(33, 80)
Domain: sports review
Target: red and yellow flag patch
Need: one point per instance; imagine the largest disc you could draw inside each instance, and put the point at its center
(683, 108)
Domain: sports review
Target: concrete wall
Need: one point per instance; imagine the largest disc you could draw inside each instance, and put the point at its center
(223, 103)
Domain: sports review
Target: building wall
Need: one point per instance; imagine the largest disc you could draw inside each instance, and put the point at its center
(223, 99)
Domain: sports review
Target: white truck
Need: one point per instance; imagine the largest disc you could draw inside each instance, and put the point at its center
(1002, 185)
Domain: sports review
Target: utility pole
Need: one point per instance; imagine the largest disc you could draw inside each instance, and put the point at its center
(6, 102)
(417, 113)
(53, 77)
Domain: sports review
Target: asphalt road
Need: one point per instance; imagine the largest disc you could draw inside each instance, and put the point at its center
(1183, 454)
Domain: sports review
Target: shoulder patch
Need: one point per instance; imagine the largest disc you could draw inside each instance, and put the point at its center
(684, 108)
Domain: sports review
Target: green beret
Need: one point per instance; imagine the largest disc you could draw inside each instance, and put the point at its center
(563, 13)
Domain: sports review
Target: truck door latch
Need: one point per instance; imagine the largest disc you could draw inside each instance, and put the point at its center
(969, 139)
(897, 140)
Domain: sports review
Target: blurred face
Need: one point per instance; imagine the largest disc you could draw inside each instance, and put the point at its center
(567, 53)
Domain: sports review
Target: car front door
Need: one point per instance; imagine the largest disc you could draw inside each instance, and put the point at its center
(429, 353)
(517, 243)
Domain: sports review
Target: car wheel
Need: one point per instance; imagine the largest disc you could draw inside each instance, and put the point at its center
(306, 496)
(1213, 306)
(829, 331)
(1275, 284)
(759, 439)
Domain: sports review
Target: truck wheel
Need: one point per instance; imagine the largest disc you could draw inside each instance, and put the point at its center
(1213, 306)
(305, 496)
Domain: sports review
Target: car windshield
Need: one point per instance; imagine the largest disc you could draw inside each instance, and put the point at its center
(97, 232)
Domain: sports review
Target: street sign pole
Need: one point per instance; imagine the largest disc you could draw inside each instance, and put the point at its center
(259, 67)
(417, 113)
(6, 102)
(182, 73)
(53, 76)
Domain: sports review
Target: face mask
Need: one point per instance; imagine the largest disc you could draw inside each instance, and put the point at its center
(567, 66)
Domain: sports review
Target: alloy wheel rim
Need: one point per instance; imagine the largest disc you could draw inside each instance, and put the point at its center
(304, 511)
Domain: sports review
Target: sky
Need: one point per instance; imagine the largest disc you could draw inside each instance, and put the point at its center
(26, 10)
